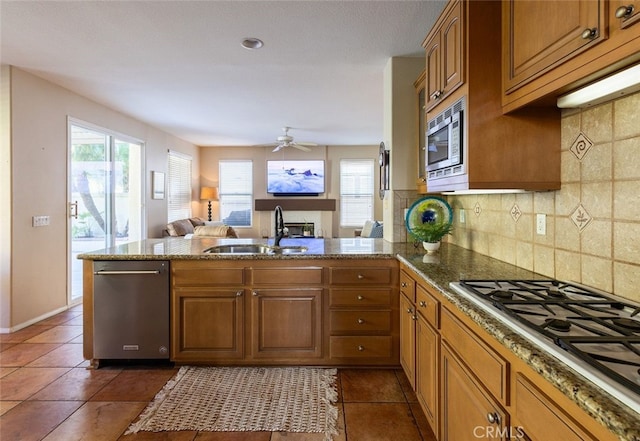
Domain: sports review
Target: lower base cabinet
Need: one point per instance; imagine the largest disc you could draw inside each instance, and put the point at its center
(427, 369)
(468, 412)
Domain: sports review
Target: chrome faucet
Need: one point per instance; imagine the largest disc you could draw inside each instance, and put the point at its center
(280, 229)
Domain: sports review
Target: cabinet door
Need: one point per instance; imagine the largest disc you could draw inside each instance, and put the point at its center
(625, 12)
(427, 370)
(452, 54)
(286, 323)
(540, 35)
(433, 78)
(408, 338)
(207, 324)
(468, 412)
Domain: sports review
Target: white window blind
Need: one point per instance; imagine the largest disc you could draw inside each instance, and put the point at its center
(236, 192)
(179, 186)
(356, 192)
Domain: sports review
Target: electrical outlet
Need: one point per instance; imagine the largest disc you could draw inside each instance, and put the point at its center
(541, 224)
(40, 221)
(463, 216)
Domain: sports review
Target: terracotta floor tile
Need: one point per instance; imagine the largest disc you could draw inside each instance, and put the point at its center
(62, 318)
(370, 386)
(421, 421)
(4, 371)
(135, 385)
(57, 334)
(5, 406)
(77, 341)
(24, 334)
(69, 355)
(380, 422)
(97, 421)
(24, 353)
(79, 384)
(32, 420)
(4, 346)
(24, 382)
(407, 390)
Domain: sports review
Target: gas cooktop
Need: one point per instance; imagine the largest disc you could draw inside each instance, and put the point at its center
(595, 333)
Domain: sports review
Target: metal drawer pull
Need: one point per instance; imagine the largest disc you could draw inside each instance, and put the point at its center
(589, 33)
(403, 284)
(409, 310)
(493, 418)
(118, 273)
(360, 276)
(360, 298)
(239, 293)
(624, 11)
(254, 293)
(361, 348)
(360, 321)
(423, 303)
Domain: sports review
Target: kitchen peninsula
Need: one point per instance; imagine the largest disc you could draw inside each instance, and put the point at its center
(345, 295)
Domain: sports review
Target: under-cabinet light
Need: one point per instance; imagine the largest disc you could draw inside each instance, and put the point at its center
(613, 86)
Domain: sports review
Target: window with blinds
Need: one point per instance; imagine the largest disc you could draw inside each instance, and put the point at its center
(356, 192)
(179, 187)
(236, 192)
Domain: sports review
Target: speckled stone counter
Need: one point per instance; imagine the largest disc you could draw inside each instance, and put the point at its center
(453, 263)
(450, 264)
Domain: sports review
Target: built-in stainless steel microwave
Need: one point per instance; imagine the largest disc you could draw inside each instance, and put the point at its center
(445, 139)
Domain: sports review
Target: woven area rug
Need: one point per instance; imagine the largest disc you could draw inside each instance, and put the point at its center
(238, 399)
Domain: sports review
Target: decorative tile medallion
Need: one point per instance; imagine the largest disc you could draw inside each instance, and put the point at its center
(581, 217)
(515, 212)
(476, 209)
(581, 146)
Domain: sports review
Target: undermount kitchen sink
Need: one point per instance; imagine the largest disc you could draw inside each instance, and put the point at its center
(252, 248)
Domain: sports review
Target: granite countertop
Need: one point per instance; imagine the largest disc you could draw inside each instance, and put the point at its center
(450, 264)
(178, 248)
(453, 263)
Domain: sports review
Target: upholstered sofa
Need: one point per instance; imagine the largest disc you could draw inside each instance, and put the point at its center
(196, 226)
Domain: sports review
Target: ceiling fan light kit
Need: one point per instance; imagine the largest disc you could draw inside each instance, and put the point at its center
(286, 140)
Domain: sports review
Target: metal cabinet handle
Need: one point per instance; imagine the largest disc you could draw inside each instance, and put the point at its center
(360, 321)
(361, 348)
(414, 317)
(423, 303)
(360, 276)
(493, 418)
(589, 33)
(239, 293)
(409, 310)
(624, 11)
(403, 284)
(437, 94)
(124, 272)
(254, 293)
(360, 298)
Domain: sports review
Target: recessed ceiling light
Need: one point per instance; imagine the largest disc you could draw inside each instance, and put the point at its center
(252, 43)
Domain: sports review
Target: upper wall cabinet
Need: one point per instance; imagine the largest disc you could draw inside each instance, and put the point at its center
(421, 182)
(551, 47)
(444, 47)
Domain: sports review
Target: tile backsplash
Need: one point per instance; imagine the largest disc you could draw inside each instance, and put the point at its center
(592, 223)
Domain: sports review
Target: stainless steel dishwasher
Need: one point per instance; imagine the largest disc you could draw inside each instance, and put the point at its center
(131, 309)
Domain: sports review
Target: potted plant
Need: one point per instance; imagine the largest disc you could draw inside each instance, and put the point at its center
(431, 233)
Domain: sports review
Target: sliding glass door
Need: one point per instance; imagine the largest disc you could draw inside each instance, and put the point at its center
(105, 195)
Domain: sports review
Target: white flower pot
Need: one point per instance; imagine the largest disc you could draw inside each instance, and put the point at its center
(431, 247)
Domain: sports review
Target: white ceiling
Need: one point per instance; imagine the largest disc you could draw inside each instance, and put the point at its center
(179, 66)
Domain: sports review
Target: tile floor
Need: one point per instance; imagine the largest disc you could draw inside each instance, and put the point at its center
(47, 393)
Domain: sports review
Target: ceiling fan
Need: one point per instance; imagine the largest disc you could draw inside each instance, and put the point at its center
(286, 140)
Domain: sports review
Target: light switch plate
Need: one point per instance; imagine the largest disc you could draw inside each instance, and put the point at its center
(541, 224)
(40, 221)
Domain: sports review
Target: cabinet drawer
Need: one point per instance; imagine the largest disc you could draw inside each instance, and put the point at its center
(360, 297)
(360, 347)
(206, 276)
(407, 286)
(428, 306)
(286, 276)
(360, 276)
(490, 368)
(360, 321)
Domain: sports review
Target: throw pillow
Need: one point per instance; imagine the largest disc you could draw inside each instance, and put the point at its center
(180, 227)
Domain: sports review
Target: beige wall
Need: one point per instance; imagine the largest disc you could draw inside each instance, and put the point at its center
(262, 221)
(592, 223)
(35, 285)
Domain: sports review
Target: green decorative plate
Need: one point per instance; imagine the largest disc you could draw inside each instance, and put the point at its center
(428, 209)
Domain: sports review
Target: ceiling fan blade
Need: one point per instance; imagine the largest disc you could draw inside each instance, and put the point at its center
(301, 147)
(278, 148)
(310, 144)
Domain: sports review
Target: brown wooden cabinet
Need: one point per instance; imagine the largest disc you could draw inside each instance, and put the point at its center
(468, 411)
(444, 55)
(549, 48)
(285, 312)
(421, 148)
(408, 338)
(428, 370)
(363, 314)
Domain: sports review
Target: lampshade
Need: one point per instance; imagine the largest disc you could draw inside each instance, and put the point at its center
(209, 193)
